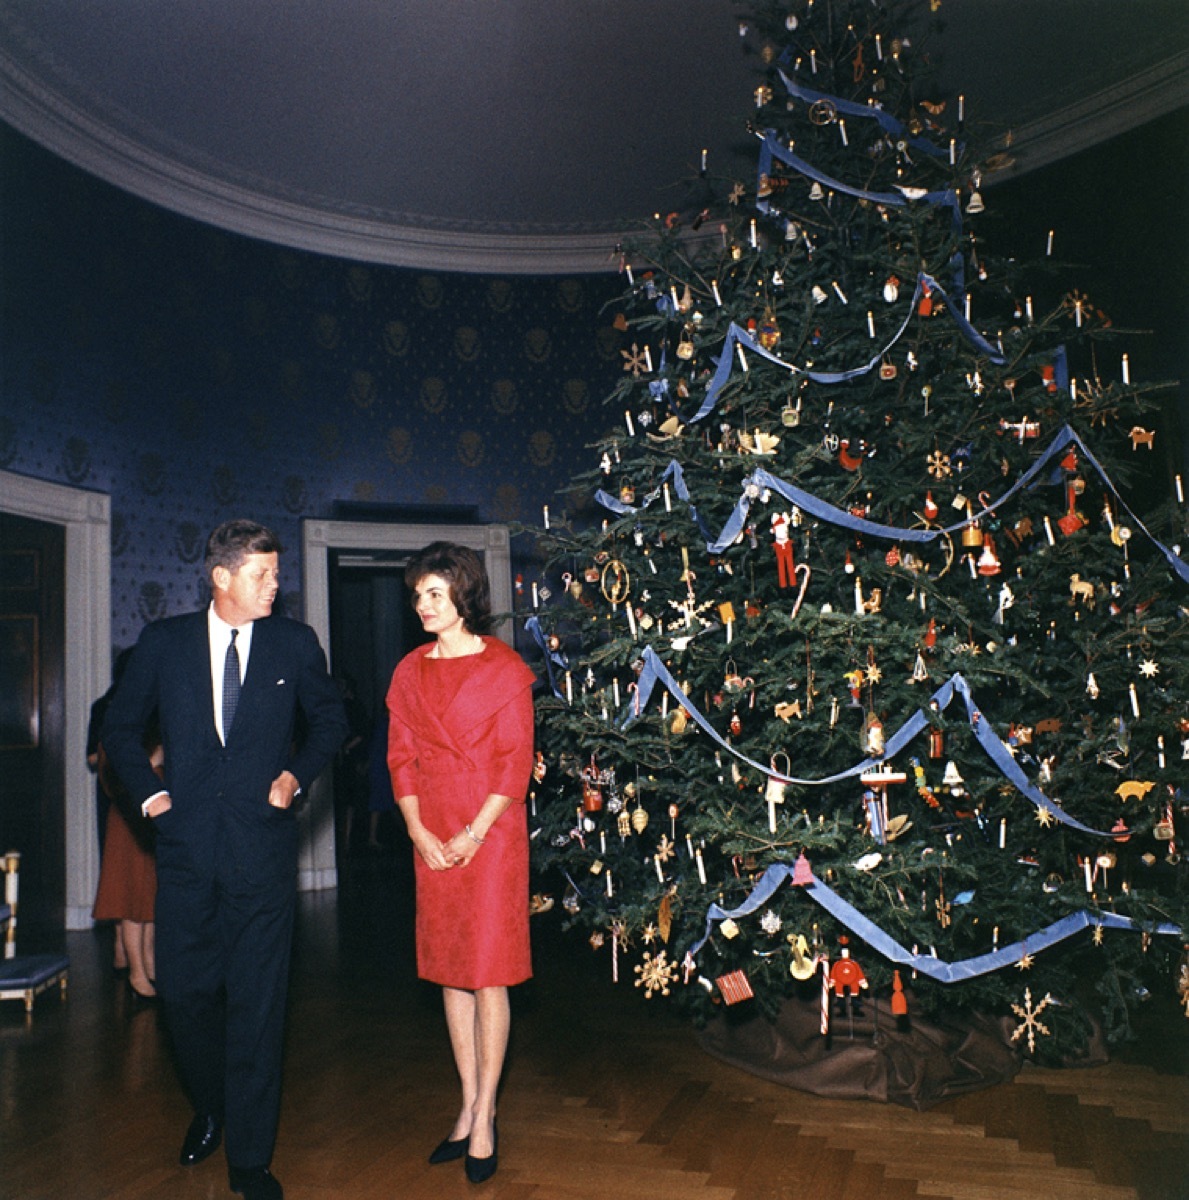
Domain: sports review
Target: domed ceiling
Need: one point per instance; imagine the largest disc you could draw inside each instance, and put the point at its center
(516, 136)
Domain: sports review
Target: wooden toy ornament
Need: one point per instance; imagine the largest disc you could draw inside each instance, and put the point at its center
(774, 790)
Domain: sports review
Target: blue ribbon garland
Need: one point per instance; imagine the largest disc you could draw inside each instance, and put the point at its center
(927, 964)
(849, 108)
(672, 471)
(761, 479)
(654, 671)
(552, 657)
(738, 336)
(1065, 437)
(771, 149)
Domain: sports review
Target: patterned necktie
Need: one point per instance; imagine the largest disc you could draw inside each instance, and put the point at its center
(231, 685)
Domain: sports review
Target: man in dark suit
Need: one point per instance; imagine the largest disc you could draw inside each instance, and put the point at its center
(228, 685)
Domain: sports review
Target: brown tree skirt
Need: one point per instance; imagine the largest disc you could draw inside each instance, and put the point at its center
(869, 1054)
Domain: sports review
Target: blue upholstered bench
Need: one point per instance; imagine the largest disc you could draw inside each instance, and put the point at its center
(24, 976)
(28, 975)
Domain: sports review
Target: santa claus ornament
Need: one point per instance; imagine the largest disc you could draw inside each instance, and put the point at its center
(783, 548)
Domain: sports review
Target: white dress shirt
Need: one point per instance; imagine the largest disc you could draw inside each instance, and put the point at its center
(219, 638)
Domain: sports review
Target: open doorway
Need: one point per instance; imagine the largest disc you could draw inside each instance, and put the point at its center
(372, 627)
(32, 715)
(84, 518)
(357, 604)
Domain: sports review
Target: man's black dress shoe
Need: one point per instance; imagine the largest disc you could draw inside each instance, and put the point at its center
(448, 1151)
(255, 1183)
(480, 1170)
(202, 1140)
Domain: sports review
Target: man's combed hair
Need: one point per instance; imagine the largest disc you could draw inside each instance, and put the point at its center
(233, 541)
(463, 570)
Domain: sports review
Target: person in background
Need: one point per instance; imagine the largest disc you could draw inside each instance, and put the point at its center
(127, 889)
(102, 800)
(350, 767)
(460, 752)
(228, 685)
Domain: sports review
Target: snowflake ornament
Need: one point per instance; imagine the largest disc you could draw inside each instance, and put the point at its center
(1030, 1022)
(656, 974)
(665, 849)
(1149, 669)
(770, 923)
(635, 360)
(938, 464)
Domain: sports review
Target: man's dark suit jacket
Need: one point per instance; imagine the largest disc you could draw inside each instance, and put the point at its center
(221, 817)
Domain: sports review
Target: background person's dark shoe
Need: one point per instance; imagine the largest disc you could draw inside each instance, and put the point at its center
(255, 1183)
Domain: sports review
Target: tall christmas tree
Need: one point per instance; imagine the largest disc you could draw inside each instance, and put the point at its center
(867, 677)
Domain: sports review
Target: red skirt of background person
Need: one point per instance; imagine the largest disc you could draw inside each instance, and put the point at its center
(128, 874)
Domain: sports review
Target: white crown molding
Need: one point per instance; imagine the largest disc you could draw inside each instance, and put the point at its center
(1154, 92)
(426, 243)
(127, 163)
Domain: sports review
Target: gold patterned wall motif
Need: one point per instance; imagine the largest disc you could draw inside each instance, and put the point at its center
(195, 376)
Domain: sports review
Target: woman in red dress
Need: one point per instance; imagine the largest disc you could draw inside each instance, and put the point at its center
(460, 751)
(127, 891)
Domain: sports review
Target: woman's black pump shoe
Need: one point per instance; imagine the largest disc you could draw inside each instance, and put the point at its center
(448, 1151)
(480, 1170)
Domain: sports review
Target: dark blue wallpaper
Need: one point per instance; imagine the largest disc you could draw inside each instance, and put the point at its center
(196, 375)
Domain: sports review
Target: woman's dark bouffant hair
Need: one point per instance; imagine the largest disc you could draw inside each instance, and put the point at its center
(463, 570)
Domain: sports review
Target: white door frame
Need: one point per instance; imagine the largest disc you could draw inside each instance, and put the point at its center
(316, 869)
(87, 520)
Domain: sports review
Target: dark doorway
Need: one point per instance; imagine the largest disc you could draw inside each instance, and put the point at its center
(372, 627)
(32, 714)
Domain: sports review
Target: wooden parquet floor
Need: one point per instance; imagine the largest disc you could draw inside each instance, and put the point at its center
(606, 1096)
